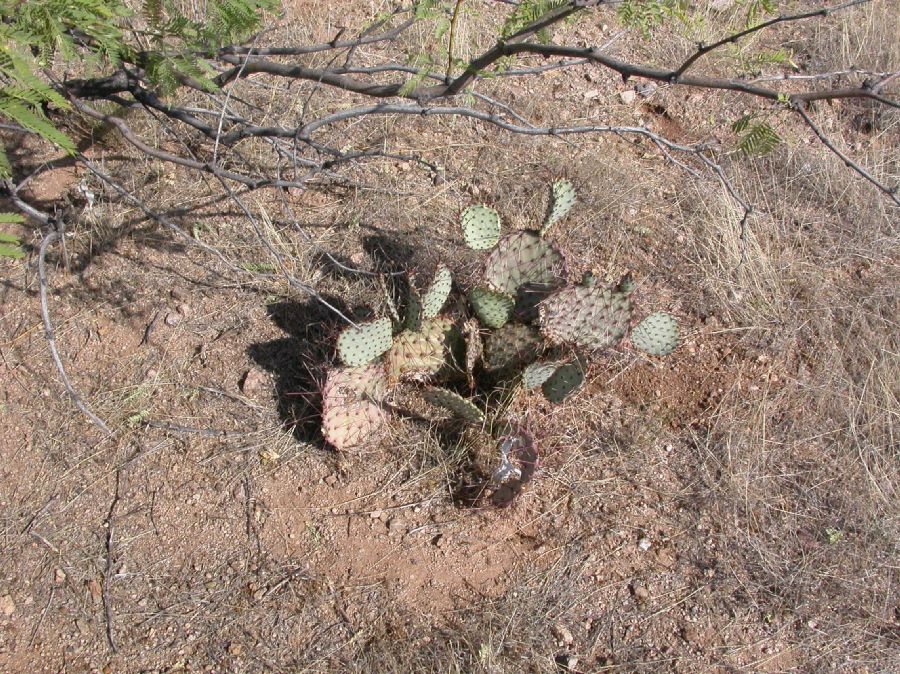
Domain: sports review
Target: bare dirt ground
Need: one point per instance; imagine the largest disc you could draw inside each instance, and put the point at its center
(732, 508)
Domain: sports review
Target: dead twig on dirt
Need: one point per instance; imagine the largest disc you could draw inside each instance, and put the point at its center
(51, 336)
(108, 568)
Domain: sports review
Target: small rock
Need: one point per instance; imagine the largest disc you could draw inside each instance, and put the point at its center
(563, 635)
(395, 524)
(628, 96)
(179, 294)
(646, 88)
(690, 634)
(59, 576)
(7, 605)
(172, 319)
(234, 649)
(184, 309)
(641, 593)
(94, 589)
(331, 480)
(254, 382)
(376, 514)
(644, 543)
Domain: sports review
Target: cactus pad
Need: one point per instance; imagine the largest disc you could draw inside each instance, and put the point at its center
(537, 373)
(358, 346)
(481, 227)
(493, 309)
(523, 257)
(512, 346)
(350, 410)
(436, 296)
(422, 353)
(657, 334)
(454, 402)
(562, 198)
(594, 318)
(564, 382)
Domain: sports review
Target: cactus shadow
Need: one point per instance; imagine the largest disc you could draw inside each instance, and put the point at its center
(299, 360)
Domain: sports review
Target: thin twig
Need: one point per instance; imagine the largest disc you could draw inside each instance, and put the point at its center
(108, 569)
(891, 192)
(51, 338)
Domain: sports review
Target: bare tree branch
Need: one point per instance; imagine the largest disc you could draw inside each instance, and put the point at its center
(891, 192)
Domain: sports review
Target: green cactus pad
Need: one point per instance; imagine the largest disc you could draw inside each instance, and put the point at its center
(523, 257)
(594, 318)
(454, 402)
(657, 334)
(563, 382)
(537, 373)
(562, 198)
(436, 296)
(358, 346)
(422, 353)
(481, 227)
(493, 309)
(351, 414)
(626, 284)
(511, 347)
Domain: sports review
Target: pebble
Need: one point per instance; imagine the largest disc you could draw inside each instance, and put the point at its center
(184, 309)
(172, 319)
(641, 593)
(563, 635)
(254, 382)
(628, 96)
(644, 544)
(7, 605)
(690, 634)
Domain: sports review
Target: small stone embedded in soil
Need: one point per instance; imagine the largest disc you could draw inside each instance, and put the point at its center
(644, 543)
(172, 319)
(690, 634)
(7, 605)
(628, 96)
(184, 309)
(563, 635)
(641, 593)
(254, 382)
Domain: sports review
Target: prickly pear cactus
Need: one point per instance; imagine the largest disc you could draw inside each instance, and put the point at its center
(423, 353)
(594, 318)
(537, 373)
(481, 227)
(413, 309)
(523, 257)
(459, 406)
(358, 346)
(563, 382)
(657, 334)
(492, 308)
(436, 296)
(351, 413)
(511, 347)
(562, 198)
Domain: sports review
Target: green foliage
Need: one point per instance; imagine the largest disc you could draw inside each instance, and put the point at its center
(526, 13)
(755, 137)
(758, 9)
(9, 244)
(645, 15)
(101, 34)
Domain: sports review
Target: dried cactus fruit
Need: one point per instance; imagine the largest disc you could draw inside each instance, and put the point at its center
(512, 346)
(594, 318)
(413, 310)
(563, 382)
(436, 296)
(626, 284)
(358, 346)
(481, 227)
(562, 198)
(459, 406)
(493, 309)
(523, 257)
(350, 410)
(422, 353)
(657, 334)
(474, 349)
(537, 373)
